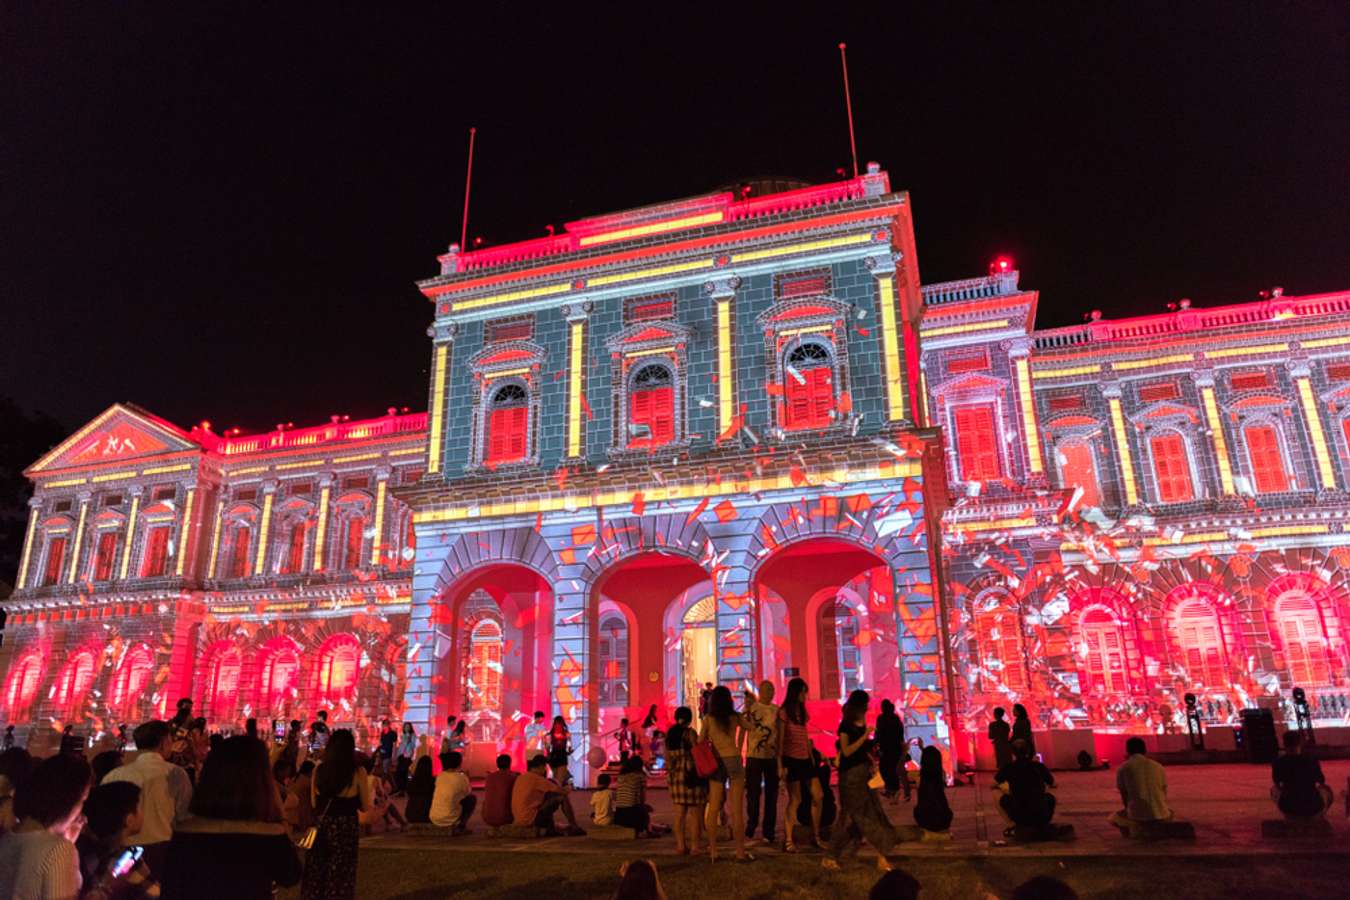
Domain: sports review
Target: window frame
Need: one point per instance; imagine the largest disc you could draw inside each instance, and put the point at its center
(495, 366)
(808, 317)
(1194, 484)
(1089, 446)
(1286, 471)
(993, 405)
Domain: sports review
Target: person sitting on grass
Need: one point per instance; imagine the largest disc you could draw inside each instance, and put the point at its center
(602, 801)
(932, 813)
(630, 798)
(534, 800)
(1300, 790)
(453, 801)
(1143, 788)
(1027, 803)
(497, 795)
(895, 885)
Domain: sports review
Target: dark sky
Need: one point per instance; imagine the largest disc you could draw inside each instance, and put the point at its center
(220, 214)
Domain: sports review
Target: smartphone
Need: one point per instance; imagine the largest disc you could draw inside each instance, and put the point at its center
(127, 861)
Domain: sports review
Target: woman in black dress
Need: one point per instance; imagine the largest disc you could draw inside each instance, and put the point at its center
(860, 812)
(931, 812)
(559, 750)
(341, 792)
(420, 791)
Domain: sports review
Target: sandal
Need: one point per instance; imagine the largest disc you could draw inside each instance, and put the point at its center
(830, 863)
(789, 847)
(746, 857)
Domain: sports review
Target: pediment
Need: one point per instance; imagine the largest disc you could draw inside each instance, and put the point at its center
(971, 384)
(647, 334)
(507, 355)
(118, 434)
(802, 310)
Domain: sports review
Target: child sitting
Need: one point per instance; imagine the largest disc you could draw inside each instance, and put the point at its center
(631, 809)
(602, 802)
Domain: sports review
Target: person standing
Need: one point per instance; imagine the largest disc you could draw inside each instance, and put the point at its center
(166, 792)
(725, 728)
(891, 743)
(763, 748)
(9, 737)
(318, 732)
(932, 813)
(798, 765)
(536, 736)
(688, 792)
(629, 743)
(704, 697)
(560, 751)
(407, 749)
(340, 793)
(182, 716)
(388, 741)
(1000, 735)
(446, 738)
(859, 809)
(1021, 728)
(38, 859)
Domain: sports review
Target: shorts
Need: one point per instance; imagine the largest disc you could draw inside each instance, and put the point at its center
(733, 768)
(799, 770)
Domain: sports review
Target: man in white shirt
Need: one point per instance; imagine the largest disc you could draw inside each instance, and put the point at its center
(453, 801)
(764, 746)
(166, 791)
(1142, 783)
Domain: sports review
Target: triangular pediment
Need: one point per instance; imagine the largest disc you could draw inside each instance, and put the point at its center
(118, 434)
(971, 384)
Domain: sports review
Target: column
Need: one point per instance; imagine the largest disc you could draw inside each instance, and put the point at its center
(573, 678)
(723, 292)
(79, 539)
(129, 541)
(1026, 399)
(185, 542)
(381, 494)
(1122, 439)
(883, 269)
(576, 315)
(443, 337)
(264, 526)
(215, 534)
(321, 529)
(736, 654)
(1312, 417)
(1205, 382)
(34, 504)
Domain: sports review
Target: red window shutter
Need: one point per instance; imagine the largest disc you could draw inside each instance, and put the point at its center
(239, 556)
(156, 552)
(1077, 471)
(1171, 468)
(821, 385)
(809, 401)
(352, 557)
(655, 408)
(103, 557)
(977, 442)
(507, 434)
(56, 554)
(295, 552)
(1263, 447)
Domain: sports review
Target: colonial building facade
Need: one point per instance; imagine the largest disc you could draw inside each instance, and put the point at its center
(715, 441)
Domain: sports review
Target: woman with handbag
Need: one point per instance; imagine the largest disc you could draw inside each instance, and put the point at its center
(723, 729)
(688, 791)
(341, 792)
(859, 809)
(799, 768)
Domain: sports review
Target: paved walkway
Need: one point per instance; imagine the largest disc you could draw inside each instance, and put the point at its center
(1226, 803)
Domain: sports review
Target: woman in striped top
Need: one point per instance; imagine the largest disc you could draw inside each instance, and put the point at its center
(630, 797)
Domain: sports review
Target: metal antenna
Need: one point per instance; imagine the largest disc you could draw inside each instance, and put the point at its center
(848, 104)
(468, 181)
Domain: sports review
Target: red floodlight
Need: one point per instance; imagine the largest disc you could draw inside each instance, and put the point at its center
(1001, 265)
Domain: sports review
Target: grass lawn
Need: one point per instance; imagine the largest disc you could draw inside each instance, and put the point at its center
(425, 874)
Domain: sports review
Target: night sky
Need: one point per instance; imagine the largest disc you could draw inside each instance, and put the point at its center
(221, 216)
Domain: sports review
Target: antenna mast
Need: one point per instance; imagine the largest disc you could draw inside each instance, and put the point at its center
(848, 105)
(468, 181)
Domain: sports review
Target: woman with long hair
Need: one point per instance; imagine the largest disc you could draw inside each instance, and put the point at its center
(638, 881)
(341, 792)
(722, 725)
(420, 791)
(799, 770)
(1021, 727)
(407, 749)
(688, 792)
(859, 808)
(931, 812)
(234, 843)
(559, 751)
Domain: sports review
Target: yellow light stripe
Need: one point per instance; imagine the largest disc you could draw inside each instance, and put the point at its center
(671, 269)
(726, 388)
(113, 476)
(507, 372)
(997, 524)
(27, 548)
(130, 538)
(66, 483)
(1288, 530)
(1325, 342)
(576, 339)
(493, 300)
(805, 247)
(160, 470)
(264, 527)
(437, 408)
(923, 397)
(377, 545)
(655, 351)
(249, 471)
(1220, 440)
(1028, 401)
(1070, 370)
(1246, 351)
(79, 539)
(890, 348)
(215, 539)
(964, 329)
(321, 533)
(1123, 452)
(813, 329)
(1319, 438)
(652, 228)
(357, 458)
(185, 532)
(658, 493)
(1154, 361)
(408, 451)
(298, 465)
(1196, 537)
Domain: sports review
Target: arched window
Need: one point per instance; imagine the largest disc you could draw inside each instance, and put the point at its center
(22, 687)
(339, 667)
(508, 424)
(1302, 632)
(1105, 666)
(651, 407)
(56, 554)
(73, 684)
(279, 676)
(1078, 469)
(130, 681)
(1267, 462)
(998, 635)
(808, 387)
(155, 556)
(222, 684)
(612, 659)
(294, 560)
(105, 554)
(840, 658)
(1171, 467)
(977, 449)
(240, 540)
(484, 688)
(1199, 638)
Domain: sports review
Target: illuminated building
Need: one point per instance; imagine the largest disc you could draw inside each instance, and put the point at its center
(719, 440)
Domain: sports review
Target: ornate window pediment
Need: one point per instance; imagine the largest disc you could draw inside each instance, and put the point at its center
(648, 363)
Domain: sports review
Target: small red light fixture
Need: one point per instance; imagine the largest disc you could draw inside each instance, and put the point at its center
(1001, 265)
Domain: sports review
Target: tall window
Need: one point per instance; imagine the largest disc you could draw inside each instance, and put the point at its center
(651, 407)
(1199, 638)
(104, 555)
(808, 387)
(613, 660)
(339, 664)
(352, 543)
(508, 424)
(295, 548)
(1263, 449)
(239, 561)
(73, 684)
(1105, 644)
(56, 554)
(156, 554)
(484, 689)
(280, 675)
(222, 684)
(22, 687)
(1077, 469)
(1171, 468)
(840, 658)
(998, 635)
(1304, 638)
(977, 442)
(130, 681)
